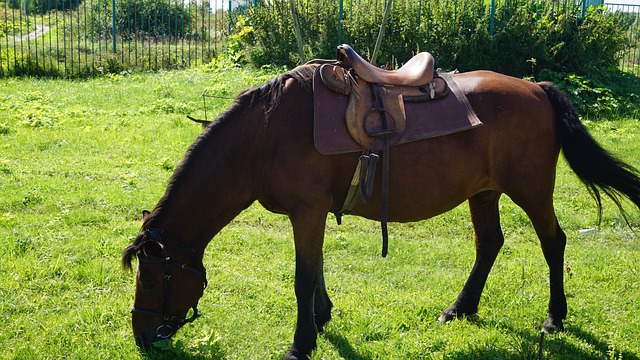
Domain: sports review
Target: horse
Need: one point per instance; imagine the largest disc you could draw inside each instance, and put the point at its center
(261, 149)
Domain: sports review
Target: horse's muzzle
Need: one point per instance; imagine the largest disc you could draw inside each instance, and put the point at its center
(145, 342)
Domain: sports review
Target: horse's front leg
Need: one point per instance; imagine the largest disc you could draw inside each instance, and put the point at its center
(308, 231)
(489, 240)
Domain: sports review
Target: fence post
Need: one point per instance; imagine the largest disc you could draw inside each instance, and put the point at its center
(113, 24)
(492, 16)
(385, 19)
(296, 25)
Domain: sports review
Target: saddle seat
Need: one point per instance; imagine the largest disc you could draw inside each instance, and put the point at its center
(376, 114)
(415, 72)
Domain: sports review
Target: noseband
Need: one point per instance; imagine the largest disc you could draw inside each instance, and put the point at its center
(165, 330)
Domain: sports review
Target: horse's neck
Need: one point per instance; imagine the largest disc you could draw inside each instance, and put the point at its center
(213, 184)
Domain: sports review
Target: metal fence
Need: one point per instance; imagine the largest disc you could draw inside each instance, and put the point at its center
(84, 37)
(630, 61)
(77, 38)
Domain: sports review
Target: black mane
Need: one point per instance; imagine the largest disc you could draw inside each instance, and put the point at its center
(271, 91)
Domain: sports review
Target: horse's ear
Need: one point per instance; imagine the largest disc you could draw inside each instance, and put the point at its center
(145, 215)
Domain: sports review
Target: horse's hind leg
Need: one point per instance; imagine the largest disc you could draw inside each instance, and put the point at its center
(553, 241)
(489, 240)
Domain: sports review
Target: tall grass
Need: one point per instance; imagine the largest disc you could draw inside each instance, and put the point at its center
(79, 160)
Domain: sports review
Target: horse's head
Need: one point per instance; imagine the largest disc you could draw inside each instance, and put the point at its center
(169, 282)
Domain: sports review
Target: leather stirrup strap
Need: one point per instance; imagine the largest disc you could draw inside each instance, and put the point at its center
(385, 133)
(385, 197)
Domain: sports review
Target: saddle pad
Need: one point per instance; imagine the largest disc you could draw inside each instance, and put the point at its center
(432, 118)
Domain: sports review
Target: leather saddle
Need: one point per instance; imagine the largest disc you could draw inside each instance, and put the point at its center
(376, 109)
(359, 107)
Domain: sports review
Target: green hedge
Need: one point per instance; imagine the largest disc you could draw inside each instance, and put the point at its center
(527, 35)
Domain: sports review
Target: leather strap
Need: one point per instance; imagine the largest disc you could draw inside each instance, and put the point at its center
(385, 197)
(385, 132)
(352, 195)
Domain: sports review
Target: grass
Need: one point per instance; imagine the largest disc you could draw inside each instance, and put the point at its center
(80, 160)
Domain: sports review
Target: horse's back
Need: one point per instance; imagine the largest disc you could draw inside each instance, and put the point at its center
(514, 151)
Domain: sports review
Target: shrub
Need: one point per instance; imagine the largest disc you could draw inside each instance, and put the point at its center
(240, 41)
(606, 92)
(142, 18)
(456, 32)
(43, 6)
(596, 42)
(273, 40)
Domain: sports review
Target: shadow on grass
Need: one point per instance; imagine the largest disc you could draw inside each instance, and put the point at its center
(178, 351)
(524, 344)
(343, 346)
(572, 352)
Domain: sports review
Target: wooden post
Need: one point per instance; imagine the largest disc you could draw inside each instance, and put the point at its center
(385, 19)
(296, 27)
(340, 18)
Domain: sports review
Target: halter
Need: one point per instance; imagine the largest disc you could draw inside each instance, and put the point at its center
(165, 330)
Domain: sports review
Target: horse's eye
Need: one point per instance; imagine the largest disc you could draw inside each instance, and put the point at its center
(151, 249)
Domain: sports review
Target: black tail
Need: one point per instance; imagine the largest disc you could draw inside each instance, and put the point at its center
(598, 170)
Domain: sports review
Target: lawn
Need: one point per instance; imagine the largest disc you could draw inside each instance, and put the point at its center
(80, 160)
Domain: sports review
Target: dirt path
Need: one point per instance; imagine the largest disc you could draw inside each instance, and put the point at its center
(40, 30)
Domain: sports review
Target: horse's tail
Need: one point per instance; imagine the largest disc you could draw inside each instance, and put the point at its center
(595, 166)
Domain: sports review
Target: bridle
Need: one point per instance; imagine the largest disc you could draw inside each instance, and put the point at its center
(166, 330)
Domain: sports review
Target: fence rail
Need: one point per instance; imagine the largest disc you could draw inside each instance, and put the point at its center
(83, 37)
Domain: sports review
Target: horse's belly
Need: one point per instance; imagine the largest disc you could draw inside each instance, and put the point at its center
(430, 177)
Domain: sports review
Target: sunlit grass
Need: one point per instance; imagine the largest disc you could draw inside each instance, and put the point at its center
(80, 160)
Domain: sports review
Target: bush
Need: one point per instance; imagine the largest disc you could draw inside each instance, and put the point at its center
(43, 6)
(606, 92)
(142, 18)
(239, 43)
(529, 35)
(596, 42)
(273, 39)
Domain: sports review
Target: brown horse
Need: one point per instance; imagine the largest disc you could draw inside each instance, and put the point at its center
(262, 149)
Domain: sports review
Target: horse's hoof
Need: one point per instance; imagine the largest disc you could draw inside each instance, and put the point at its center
(552, 325)
(447, 316)
(321, 321)
(295, 355)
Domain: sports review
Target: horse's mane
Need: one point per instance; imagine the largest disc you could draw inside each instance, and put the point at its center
(270, 93)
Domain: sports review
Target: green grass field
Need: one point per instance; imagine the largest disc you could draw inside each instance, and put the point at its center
(80, 160)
